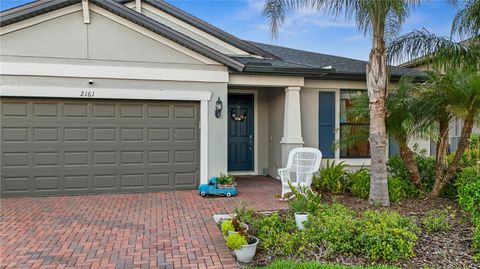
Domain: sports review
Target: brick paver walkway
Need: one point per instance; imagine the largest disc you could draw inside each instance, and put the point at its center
(148, 230)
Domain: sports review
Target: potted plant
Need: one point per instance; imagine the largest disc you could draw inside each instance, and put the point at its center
(225, 182)
(233, 225)
(243, 246)
(304, 202)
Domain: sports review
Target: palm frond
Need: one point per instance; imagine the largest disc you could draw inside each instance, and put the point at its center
(440, 52)
(466, 22)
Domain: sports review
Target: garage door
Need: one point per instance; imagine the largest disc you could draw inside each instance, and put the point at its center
(56, 146)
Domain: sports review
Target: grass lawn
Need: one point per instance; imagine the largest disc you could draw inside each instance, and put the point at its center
(317, 265)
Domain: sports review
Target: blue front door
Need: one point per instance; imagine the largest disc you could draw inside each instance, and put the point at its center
(240, 132)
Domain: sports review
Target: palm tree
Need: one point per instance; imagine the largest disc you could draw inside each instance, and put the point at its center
(451, 91)
(460, 99)
(379, 18)
(405, 120)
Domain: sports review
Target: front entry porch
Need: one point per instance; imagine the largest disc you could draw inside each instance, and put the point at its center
(264, 125)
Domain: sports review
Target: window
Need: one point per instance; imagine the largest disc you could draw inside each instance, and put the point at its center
(352, 130)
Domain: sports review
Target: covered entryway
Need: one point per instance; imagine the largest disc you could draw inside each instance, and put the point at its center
(71, 146)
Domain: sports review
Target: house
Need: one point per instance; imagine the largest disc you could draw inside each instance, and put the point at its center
(129, 96)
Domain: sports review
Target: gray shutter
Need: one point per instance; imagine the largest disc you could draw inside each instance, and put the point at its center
(326, 124)
(393, 148)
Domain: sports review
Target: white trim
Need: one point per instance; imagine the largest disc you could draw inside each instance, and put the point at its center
(261, 80)
(152, 35)
(203, 97)
(138, 6)
(243, 173)
(195, 30)
(102, 93)
(40, 18)
(119, 72)
(86, 11)
(337, 123)
(255, 131)
(203, 141)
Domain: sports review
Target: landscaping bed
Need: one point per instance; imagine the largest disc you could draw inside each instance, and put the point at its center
(449, 248)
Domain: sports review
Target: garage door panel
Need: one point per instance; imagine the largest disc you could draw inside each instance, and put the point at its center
(53, 146)
(15, 134)
(50, 110)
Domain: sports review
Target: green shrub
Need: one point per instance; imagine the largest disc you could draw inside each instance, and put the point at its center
(426, 166)
(476, 239)
(305, 200)
(468, 189)
(331, 178)
(236, 241)
(387, 236)
(334, 227)
(400, 188)
(360, 183)
(472, 153)
(317, 265)
(227, 226)
(278, 235)
(436, 220)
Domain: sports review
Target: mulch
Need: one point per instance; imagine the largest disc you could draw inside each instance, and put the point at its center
(450, 249)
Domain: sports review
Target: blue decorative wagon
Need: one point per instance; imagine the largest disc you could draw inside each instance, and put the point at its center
(214, 188)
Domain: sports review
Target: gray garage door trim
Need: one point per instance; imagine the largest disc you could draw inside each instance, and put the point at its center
(71, 146)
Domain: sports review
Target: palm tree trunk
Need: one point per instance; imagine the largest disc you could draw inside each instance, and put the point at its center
(440, 158)
(462, 145)
(377, 81)
(409, 159)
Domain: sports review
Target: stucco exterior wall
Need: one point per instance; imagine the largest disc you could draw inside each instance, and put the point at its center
(276, 110)
(106, 44)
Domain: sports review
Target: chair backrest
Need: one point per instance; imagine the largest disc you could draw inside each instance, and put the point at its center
(304, 162)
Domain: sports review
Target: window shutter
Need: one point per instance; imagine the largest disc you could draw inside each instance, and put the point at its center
(326, 124)
(393, 148)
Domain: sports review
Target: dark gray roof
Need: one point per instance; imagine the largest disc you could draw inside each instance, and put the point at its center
(341, 67)
(40, 7)
(276, 59)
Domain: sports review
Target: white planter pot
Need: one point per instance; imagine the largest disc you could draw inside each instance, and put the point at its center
(300, 218)
(246, 252)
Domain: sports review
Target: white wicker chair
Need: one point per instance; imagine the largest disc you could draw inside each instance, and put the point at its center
(302, 164)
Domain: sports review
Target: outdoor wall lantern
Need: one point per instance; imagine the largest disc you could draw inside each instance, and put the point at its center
(218, 108)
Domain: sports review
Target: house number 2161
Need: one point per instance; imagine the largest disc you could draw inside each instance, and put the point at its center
(87, 94)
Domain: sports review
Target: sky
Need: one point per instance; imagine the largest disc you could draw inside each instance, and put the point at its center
(304, 29)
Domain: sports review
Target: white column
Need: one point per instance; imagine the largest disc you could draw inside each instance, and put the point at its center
(203, 142)
(138, 6)
(292, 123)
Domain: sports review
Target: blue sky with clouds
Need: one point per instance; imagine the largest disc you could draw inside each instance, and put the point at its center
(303, 29)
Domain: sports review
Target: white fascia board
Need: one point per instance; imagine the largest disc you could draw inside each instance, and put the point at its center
(103, 93)
(114, 72)
(265, 80)
(40, 18)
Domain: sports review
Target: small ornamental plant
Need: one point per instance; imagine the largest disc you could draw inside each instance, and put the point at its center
(225, 180)
(236, 241)
(305, 200)
(437, 220)
(227, 226)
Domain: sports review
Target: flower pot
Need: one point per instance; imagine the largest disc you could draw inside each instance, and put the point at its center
(300, 218)
(246, 252)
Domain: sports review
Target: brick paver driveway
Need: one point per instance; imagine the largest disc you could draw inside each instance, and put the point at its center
(149, 230)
